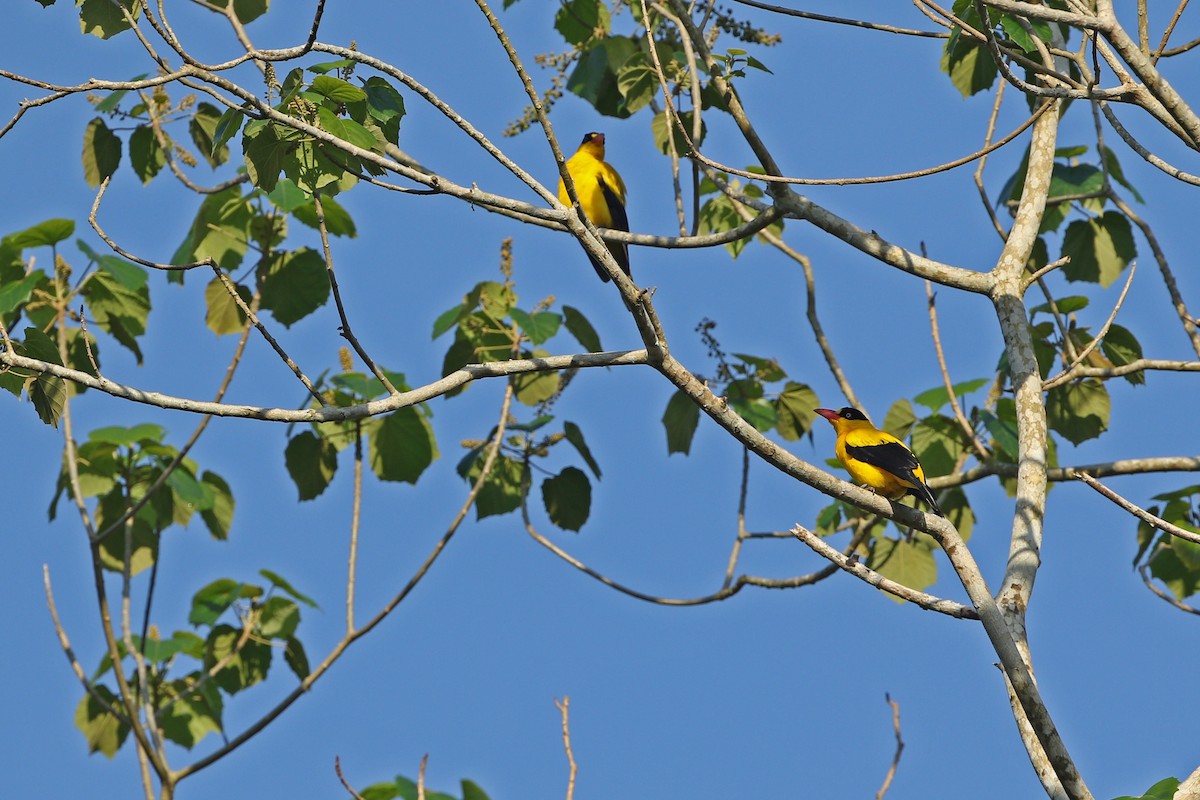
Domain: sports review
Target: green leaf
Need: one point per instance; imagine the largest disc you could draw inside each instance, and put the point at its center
(496, 299)
(1167, 566)
(189, 710)
(504, 488)
(337, 90)
(1122, 347)
(283, 584)
(221, 230)
(938, 442)
(1163, 790)
(203, 129)
(146, 156)
(119, 310)
(660, 129)
(637, 82)
(533, 388)
(245, 666)
(910, 563)
(278, 618)
(1078, 411)
(957, 508)
(121, 436)
(449, 318)
(330, 66)
(900, 419)
(1074, 179)
(766, 370)
(402, 446)
(103, 18)
(312, 462)
(385, 105)
(935, 398)
(828, 519)
(246, 10)
(594, 77)
(228, 125)
(294, 284)
(142, 529)
(1100, 248)
(579, 327)
(1114, 169)
(218, 518)
(718, 215)
(471, 791)
(104, 732)
(579, 20)
(265, 149)
(296, 659)
(680, 419)
(213, 600)
(16, 294)
(47, 393)
(44, 233)
(794, 413)
(190, 495)
(757, 411)
(539, 326)
(969, 65)
(183, 642)
(1004, 432)
(101, 149)
(1065, 305)
(223, 315)
(568, 498)
(347, 129)
(575, 436)
(338, 221)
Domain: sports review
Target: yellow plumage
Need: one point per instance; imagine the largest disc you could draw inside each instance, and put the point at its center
(601, 195)
(876, 459)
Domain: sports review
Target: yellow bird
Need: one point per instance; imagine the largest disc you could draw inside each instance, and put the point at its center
(601, 196)
(876, 459)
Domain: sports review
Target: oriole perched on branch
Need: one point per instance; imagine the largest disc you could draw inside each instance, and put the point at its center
(876, 459)
(601, 196)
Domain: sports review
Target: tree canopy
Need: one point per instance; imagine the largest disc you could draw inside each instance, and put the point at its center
(306, 348)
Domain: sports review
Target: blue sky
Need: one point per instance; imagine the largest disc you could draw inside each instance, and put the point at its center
(769, 693)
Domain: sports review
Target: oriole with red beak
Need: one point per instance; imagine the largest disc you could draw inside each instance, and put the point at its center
(876, 459)
(601, 196)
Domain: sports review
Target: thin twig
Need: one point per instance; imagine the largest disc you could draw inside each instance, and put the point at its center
(460, 377)
(564, 707)
(345, 330)
(355, 519)
(963, 423)
(867, 575)
(741, 536)
(350, 638)
(1068, 373)
(1139, 512)
(1147, 578)
(857, 23)
(337, 767)
(891, 773)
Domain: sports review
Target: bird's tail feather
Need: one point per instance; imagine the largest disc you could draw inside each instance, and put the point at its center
(923, 493)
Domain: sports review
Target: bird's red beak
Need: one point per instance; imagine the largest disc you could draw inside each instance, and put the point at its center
(828, 413)
(599, 139)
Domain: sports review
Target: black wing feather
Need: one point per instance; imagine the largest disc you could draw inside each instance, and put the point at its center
(620, 222)
(891, 457)
(897, 459)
